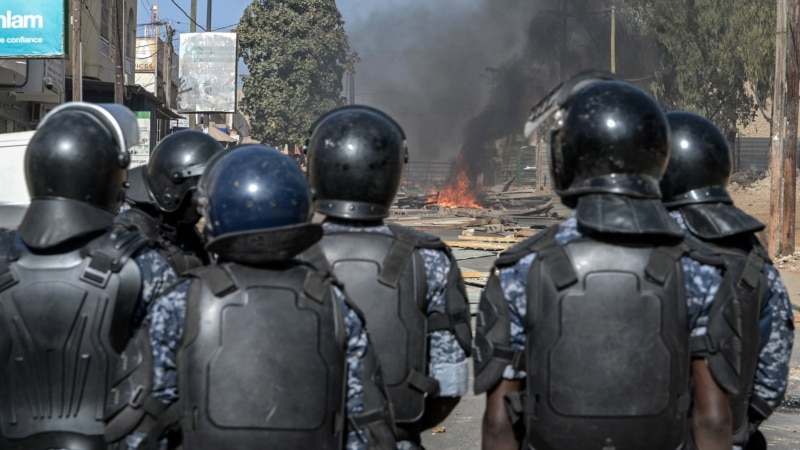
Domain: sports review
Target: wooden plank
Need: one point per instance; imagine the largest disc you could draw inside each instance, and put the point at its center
(469, 273)
(525, 233)
(477, 245)
(488, 238)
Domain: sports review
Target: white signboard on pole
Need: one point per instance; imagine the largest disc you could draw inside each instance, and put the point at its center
(207, 72)
(140, 154)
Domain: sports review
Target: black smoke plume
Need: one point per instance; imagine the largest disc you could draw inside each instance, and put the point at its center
(460, 75)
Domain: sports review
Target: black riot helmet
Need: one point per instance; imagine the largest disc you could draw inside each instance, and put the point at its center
(609, 137)
(700, 161)
(80, 151)
(356, 156)
(175, 166)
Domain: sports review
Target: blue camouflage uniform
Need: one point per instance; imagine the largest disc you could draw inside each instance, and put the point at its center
(702, 283)
(447, 361)
(776, 331)
(165, 326)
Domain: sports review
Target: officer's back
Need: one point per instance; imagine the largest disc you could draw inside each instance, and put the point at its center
(406, 282)
(584, 329)
(751, 358)
(74, 287)
(266, 352)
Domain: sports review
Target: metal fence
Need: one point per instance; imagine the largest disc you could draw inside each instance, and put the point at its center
(424, 177)
(752, 154)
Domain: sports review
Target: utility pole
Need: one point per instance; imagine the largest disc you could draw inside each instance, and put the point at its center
(790, 143)
(562, 65)
(208, 30)
(75, 52)
(613, 39)
(351, 88)
(193, 29)
(119, 53)
(168, 71)
(776, 201)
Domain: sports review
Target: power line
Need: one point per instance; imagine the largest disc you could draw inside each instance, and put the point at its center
(187, 15)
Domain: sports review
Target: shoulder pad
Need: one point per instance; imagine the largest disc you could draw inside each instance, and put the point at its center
(423, 240)
(109, 253)
(702, 252)
(524, 248)
(218, 280)
(760, 251)
(315, 257)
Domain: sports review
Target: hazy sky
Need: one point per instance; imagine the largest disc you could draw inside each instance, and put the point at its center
(424, 62)
(226, 13)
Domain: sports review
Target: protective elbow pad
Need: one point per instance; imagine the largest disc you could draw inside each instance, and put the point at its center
(129, 405)
(376, 421)
(492, 350)
(457, 306)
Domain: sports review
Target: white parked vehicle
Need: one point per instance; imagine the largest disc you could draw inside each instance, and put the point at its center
(14, 198)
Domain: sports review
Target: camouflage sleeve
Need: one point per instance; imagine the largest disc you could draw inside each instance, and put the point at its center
(447, 360)
(165, 323)
(776, 342)
(357, 342)
(702, 283)
(514, 281)
(157, 278)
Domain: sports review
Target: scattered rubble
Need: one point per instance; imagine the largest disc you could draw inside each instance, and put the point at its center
(788, 262)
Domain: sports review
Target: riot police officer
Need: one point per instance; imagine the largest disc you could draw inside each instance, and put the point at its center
(584, 328)
(407, 283)
(694, 190)
(160, 199)
(74, 286)
(270, 352)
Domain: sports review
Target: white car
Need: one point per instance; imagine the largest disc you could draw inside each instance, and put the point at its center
(14, 198)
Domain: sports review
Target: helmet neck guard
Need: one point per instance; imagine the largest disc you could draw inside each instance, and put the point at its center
(269, 245)
(711, 194)
(628, 184)
(49, 222)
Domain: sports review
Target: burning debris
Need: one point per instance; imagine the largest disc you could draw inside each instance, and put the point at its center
(459, 191)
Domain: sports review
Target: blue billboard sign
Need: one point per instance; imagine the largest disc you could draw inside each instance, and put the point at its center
(32, 29)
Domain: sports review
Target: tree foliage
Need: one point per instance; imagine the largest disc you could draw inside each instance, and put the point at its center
(716, 56)
(296, 52)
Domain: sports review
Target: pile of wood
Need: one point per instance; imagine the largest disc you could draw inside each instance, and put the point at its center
(521, 199)
(468, 240)
(445, 219)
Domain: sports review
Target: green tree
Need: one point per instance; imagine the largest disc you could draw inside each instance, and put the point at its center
(296, 52)
(716, 57)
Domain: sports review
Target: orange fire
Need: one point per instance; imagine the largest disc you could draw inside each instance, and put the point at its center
(458, 192)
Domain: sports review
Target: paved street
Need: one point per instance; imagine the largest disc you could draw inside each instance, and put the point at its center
(462, 430)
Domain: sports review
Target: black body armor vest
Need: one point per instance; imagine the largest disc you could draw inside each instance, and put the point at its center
(263, 362)
(732, 353)
(66, 317)
(395, 315)
(607, 349)
(386, 278)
